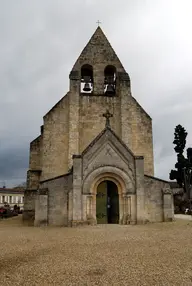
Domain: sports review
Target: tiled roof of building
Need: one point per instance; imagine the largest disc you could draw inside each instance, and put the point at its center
(12, 191)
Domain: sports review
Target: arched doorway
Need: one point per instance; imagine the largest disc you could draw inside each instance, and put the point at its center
(107, 203)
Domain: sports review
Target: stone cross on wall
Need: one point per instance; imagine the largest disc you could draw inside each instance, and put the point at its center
(107, 116)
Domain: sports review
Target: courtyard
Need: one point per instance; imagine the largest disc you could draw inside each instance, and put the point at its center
(153, 254)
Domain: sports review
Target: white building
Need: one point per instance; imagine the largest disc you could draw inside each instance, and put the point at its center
(12, 197)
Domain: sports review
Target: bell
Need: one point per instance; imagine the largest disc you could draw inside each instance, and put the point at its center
(87, 87)
(110, 89)
(109, 81)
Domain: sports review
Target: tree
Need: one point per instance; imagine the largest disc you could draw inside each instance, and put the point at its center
(21, 186)
(183, 166)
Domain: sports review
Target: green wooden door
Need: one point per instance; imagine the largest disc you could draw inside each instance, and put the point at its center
(101, 203)
(113, 203)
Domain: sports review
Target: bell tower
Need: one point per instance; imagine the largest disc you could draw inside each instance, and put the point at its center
(98, 69)
(99, 82)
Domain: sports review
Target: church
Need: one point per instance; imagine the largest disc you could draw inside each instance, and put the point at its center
(93, 160)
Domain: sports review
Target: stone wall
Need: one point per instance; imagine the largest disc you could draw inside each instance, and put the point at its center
(58, 190)
(137, 130)
(55, 140)
(35, 154)
(154, 201)
(33, 177)
(29, 205)
(130, 122)
(91, 121)
(76, 120)
(41, 208)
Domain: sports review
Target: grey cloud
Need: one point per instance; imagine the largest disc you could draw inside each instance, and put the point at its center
(13, 165)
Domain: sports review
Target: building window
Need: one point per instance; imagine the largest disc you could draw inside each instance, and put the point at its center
(3, 199)
(10, 199)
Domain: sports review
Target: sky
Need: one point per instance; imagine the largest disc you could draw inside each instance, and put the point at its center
(40, 42)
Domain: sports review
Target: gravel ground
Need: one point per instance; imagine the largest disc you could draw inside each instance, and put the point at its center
(154, 254)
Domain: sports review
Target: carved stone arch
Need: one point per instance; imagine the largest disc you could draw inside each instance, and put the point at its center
(124, 185)
(87, 69)
(110, 70)
(118, 176)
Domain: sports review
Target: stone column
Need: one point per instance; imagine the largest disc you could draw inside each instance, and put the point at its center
(121, 208)
(89, 210)
(84, 207)
(41, 208)
(125, 209)
(123, 90)
(74, 97)
(88, 206)
(29, 205)
(77, 192)
(133, 209)
(140, 192)
(167, 204)
(70, 208)
(98, 86)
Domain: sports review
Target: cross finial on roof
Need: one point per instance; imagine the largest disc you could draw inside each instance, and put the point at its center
(98, 23)
(107, 116)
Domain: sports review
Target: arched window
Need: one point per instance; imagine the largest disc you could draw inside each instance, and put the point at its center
(110, 80)
(87, 78)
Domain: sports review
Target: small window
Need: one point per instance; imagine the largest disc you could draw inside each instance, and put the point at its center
(87, 79)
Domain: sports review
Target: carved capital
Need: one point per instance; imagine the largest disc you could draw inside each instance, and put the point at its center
(139, 157)
(76, 156)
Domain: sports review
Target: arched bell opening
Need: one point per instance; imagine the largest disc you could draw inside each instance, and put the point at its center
(86, 79)
(107, 203)
(110, 80)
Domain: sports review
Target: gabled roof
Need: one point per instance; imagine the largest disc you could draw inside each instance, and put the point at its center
(12, 191)
(98, 49)
(105, 130)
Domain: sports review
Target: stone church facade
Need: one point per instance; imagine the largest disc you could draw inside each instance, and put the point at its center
(93, 161)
